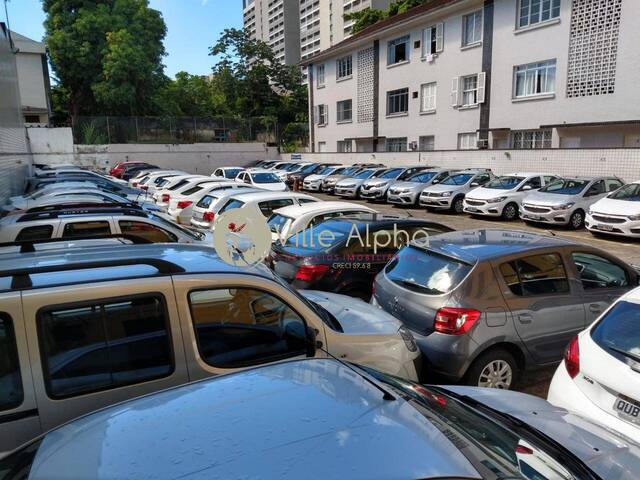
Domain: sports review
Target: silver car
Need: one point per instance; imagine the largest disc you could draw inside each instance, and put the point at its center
(407, 192)
(567, 200)
(351, 187)
(449, 193)
(376, 188)
(326, 419)
(329, 182)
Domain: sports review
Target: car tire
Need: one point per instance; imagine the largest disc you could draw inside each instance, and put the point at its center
(493, 369)
(510, 211)
(357, 194)
(457, 205)
(576, 220)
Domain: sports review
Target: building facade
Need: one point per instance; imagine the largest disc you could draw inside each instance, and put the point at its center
(275, 22)
(469, 74)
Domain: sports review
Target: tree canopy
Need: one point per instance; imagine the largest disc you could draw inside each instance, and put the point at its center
(367, 17)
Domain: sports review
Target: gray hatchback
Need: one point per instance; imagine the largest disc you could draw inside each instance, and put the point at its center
(486, 304)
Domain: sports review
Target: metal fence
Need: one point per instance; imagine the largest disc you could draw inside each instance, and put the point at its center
(103, 130)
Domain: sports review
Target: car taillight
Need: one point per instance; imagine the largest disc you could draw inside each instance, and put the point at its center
(454, 320)
(572, 358)
(165, 197)
(310, 273)
(208, 216)
(184, 203)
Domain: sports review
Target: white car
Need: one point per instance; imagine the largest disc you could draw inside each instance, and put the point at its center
(264, 179)
(20, 202)
(449, 193)
(313, 182)
(229, 173)
(163, 191)
(288, 221)
(143, 178)
(599, 377)
(152, 181)
(502, 196)
(180, 207)
(618, 213)
(204, 211)
(86, 195)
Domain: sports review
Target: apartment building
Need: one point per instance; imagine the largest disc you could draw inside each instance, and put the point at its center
(275, 22)
(468, 74)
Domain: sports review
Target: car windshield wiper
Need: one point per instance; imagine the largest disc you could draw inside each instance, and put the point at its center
(635, 358)
(421, 288)
(327, 316)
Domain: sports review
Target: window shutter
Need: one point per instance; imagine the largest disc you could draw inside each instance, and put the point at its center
(439, 37)
(482, 78)
(316, 114)
(454, 91)
(326, 114)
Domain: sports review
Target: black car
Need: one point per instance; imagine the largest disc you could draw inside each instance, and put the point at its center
(305, 171)
(131, 171)
(344, 255)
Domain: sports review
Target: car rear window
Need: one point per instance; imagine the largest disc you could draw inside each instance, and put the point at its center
(11, 386)
(618, 331)
(206, 201)
(426, 272)
(231, 205)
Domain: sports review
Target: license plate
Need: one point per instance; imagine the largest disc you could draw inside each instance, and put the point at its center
(627, 409)
(198, 215)
(471, 209)
(533, 217)
(606, 228)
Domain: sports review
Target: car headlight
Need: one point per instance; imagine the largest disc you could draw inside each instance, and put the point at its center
(564, 206)
(409, 341)
(446, 194)
(634, 217)
(496, 200)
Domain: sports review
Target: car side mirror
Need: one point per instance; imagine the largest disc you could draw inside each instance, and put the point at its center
(527, 188)
(475, 184)
(312, 341)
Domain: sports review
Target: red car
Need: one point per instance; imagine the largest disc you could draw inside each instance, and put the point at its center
(120, 168)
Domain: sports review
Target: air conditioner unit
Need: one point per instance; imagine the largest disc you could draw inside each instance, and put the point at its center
(413, 146)
(482, 144)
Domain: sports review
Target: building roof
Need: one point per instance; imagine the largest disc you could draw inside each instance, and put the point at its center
(27, 45)
(373, 30)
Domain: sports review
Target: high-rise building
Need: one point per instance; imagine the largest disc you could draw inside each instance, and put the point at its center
(275, 22)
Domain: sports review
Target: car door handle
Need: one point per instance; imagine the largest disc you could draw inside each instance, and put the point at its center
(595, 308)
(525, 318)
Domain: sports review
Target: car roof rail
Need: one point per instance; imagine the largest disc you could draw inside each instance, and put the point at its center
(134, 212)
(21, 277)
(28, 246)
(74, 205)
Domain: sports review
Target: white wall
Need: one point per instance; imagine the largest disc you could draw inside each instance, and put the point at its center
(31, 80)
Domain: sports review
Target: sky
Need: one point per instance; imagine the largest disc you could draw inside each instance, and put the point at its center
(192, 27)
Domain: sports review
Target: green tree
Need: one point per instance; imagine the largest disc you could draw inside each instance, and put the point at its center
(367, 17)
(107, 54)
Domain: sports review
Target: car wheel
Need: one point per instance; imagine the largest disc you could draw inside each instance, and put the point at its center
(493, 369)
(576, 221)
(510, 211)
(357, 194)
(457, 206)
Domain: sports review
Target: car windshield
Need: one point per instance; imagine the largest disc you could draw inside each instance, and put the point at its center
(618, 332)
(364, 174)
(321, 237)
(206, 201)
(327, 171)
(193, 234)
(231, 205)
(504, 183)
(393, 173)
(292, 167)
(309, 168)
(232, 172)
(278, 223)
(265, 178)
(490, 441)
(565, 187)
(348, 171)
(457, 179)
(629, 192)
(422, 177)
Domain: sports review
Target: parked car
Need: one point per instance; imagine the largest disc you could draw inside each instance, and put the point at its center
(341, 255)
(375, 188)
(288, 221)
(329, 182)
(305, 172)
(314, 181)
(181, 206)
(172, 184)
(133, 171)
(598, 378)
(205, 210)
(344, 421)
(618, 213)
(484, 305)
(119, 168)
(263, 202)
(351, 187)
(136, 319)
(567, 200)
(407, 192)
(95, 197)
(20, 202)
(88, 189)
(264, 179)
(81, 221)
(104, 183)
(502, 196)
(229, 173)
(176, 188)
(449, 194)
(143, 177)
(34, 183)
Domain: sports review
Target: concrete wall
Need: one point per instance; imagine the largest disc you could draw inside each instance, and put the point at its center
(30, 76)
(623, 162)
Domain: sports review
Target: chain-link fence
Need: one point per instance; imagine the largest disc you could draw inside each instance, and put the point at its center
(103, 130)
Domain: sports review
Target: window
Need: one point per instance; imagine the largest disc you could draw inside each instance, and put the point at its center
(432, 40)
(344, 110)
(470, 90)
(526, 139)
(344, 146)
(320, 76)
(11, 394)
(82, 229)
(231, 205)
(617, 331)
(103, 345)
(536, 11)
(598, 272)
(344, 67)
(428, 97)
(596, 189)
(38, 232)
(268, 207)
(426, 143)
(241, 326)
(398, 101)
(147, 231)
(397, 144)
(535, 183)
(32, 119)
(534, 79)
(536, 275)
(467, 141)
(398, 50)
(472, 28)
(322, 114)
